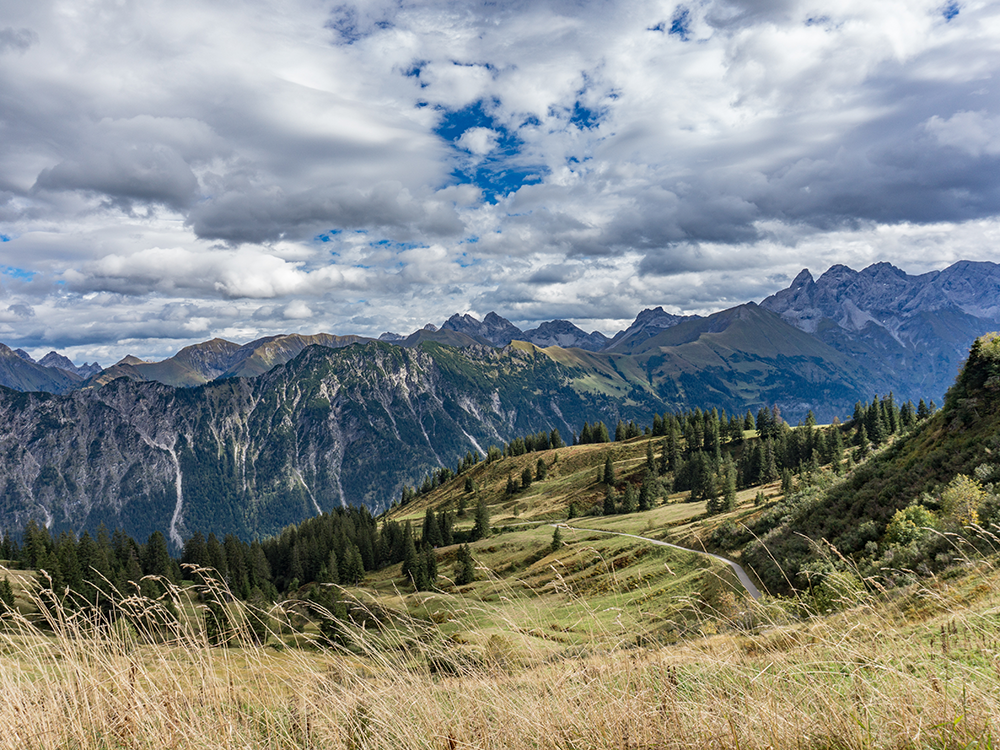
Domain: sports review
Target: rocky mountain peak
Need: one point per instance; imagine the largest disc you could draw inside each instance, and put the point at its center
(493, 328)
(647, 323)
(55, 359)
(564, 334)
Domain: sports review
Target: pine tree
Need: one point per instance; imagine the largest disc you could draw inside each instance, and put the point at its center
(430, 569)
(526, 478)
(787, 483)
(465, 566)
(541, 470)
(6, 595)
(836, 450)
(646, 492)
(609, 501)
(650, 458)
(600, 433)
(481, 527)
(432, 531)
(609, 471)
(769, 468)
(512, 486)
(729, 486)
(630, 500)
(557, 541)
(922, 411)
(555, 439)
(410, 558)
(353, 570)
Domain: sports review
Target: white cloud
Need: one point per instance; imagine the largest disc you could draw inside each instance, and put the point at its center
(170, 170)
(479, 141)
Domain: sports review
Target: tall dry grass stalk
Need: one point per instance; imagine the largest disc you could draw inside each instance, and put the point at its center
(919, 672)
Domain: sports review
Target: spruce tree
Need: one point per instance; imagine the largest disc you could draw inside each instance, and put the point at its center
(353, 569)
(6, 595)
(430, 569)
(646, 492)
(481, 527)
(465, 566)
(432, 531)
(410, 558)
(630, 500)
(541, 470)
(787, 483)
(609, 501)
(609, 471)
(526, 478)
(557, 541)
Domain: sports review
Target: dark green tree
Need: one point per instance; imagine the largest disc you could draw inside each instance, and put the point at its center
(465, 566)
(526, 478)
(609, 471)
(481, 527)
(557, 541)
(610, 501)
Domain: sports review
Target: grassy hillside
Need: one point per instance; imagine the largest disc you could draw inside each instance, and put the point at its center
(911, 509)
(588, 641)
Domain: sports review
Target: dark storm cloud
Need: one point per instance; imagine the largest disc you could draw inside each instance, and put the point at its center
(140, 174)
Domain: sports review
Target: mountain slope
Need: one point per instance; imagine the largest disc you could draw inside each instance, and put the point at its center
(918, 328)
(23, 374)
(250, 455)
(962, 439)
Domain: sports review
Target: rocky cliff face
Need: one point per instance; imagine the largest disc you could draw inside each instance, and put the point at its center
(647, 324)
(565, 334)
(492, 329)
(917, 328)
(251, 455)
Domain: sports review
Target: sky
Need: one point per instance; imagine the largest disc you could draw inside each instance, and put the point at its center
(175, 171)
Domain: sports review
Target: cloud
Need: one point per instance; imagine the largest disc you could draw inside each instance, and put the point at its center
(16, 40)
(255, 167)
(975, 133)
(479, 141)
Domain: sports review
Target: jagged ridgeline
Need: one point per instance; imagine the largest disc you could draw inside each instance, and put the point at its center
(251, 455)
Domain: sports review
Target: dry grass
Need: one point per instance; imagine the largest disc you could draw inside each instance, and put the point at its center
(918, 671)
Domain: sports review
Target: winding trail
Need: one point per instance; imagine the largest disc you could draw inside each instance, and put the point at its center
(736, 567)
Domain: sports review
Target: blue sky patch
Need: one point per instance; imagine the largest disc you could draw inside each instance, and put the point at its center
(584, 117)
(680, 24)
(494, 174)
(327, 236)
(4, 238)
(661, 27)
(17, 273)
(950, 10)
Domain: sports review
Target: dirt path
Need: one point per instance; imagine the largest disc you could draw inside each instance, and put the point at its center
(737, 568)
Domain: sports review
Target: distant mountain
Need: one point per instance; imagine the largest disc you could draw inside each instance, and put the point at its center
(647, 324)
(565, 334)
(915, 329)
(251, 455)
(353, 424)
(54, 359)
(492, 329)
(24, 374)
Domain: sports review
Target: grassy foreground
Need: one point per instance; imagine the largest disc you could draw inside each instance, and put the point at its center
(918, 671)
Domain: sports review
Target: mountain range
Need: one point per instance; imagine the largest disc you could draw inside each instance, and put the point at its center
(248, 438)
